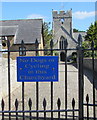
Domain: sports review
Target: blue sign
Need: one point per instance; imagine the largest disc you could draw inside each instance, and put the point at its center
(37, 69)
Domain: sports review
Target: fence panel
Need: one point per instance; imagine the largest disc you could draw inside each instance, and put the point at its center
(28, 114)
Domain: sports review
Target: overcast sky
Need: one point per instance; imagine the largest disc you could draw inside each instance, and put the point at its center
(83, 12)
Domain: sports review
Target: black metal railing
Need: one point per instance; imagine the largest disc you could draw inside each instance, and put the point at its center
(75, 113)
(16, 114)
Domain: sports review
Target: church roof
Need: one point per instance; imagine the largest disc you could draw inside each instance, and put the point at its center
(8, 30)
(27, 30)
(76, 34)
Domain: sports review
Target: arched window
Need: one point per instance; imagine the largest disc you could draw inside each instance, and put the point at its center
(63, 43)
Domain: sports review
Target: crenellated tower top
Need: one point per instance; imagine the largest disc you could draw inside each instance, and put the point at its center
(62, 13)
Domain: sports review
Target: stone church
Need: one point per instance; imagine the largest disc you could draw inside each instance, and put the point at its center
(15, 31)
(31, 29)
(63, 34)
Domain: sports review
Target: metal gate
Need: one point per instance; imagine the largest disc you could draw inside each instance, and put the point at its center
(75, 113)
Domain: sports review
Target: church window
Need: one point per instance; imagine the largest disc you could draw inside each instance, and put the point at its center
(63, 43)
(62, 20)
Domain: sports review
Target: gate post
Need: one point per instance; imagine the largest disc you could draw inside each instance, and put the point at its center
(80, 77)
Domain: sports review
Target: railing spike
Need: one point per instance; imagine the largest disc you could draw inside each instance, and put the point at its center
(73, 103)
(22, 42)
(79, 40)
(87, 98)
(92, 44)
(30, 103)
(8, 43)
(44, 103)
(51, 43)
(59, 103)
(16, 104)
(36, 43)
(2, 104)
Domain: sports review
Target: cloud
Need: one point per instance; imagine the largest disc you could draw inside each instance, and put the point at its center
(84, 14)
(35, 16)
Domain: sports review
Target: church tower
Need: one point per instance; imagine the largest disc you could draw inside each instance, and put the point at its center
(63, 19)
(62, 29)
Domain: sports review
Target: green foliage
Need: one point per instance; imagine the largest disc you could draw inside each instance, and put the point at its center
(56, 53)
(74, 58)
(75, 30)
(91, 36)
(47, 35)
(86, 44)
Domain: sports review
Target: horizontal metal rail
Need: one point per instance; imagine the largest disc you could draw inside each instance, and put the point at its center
(27, 111)
(90, 104)
(45, 50)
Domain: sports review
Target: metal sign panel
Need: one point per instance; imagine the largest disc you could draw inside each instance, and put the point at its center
(37, 69)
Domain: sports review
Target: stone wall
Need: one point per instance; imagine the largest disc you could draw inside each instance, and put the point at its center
(14, 47)
(88, 64)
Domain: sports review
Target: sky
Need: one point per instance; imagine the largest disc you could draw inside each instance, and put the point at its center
(83, 12)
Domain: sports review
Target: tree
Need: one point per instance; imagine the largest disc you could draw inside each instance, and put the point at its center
(92, 34)
(75, 30)
(47, 35)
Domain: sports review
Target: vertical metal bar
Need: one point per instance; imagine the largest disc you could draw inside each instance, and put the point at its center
(37, 83)
(2, 105)
(51, 100)
(44, 115)
(59, 115)
(37, 98)
(30, 105)
(81, 82)
(16, 106)
(44, 106)
(30, 114)
(51, 46)
(23, 100)
(2, 115)
(73, 106)
(87, 100)
(87, 112)
(73, 114)
(94, 110)
(9, 85)
(59, 105)
(80, 76)
(16, 115)
(22, 47)
(66, 83)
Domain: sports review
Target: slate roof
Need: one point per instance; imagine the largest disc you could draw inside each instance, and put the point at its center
(8, 30)
(27, 30)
